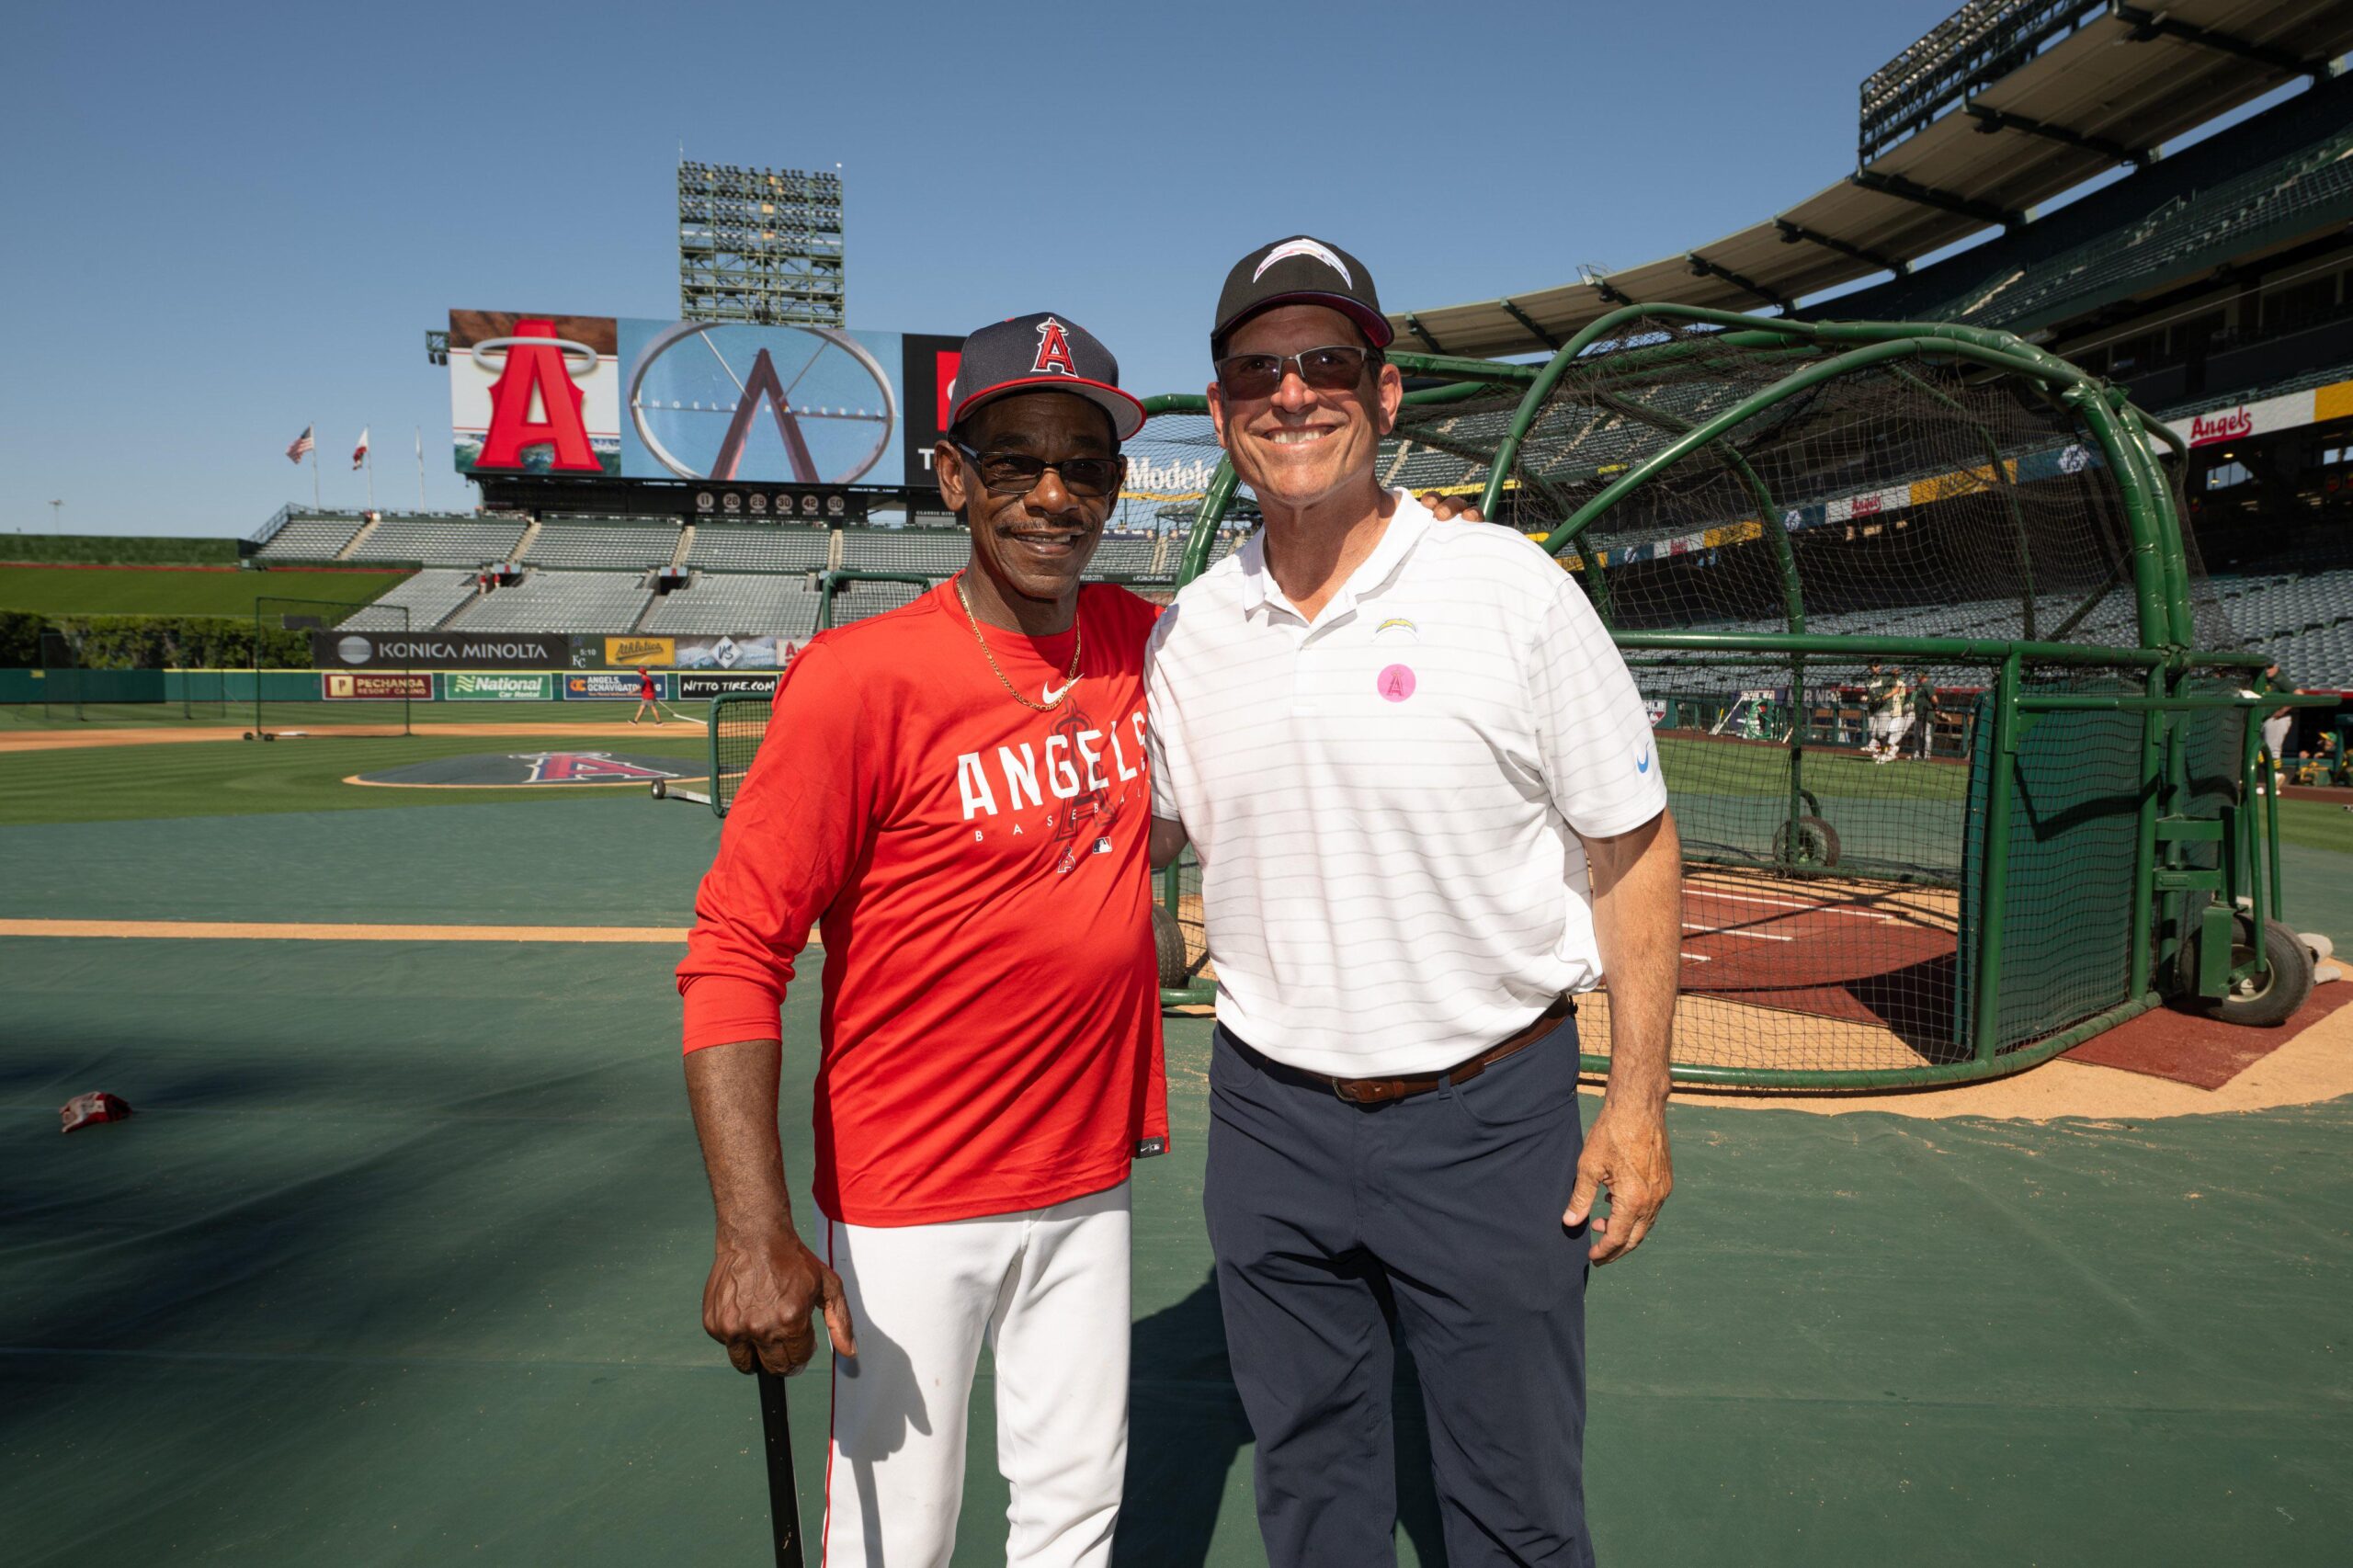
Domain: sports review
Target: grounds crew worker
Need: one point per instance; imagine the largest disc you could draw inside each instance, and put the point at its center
(955, 794)
(1427, 806)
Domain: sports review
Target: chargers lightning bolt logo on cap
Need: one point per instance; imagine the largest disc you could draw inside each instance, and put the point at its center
(1307, 248)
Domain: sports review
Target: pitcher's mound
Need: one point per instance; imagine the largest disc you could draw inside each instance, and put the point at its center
(527, 769)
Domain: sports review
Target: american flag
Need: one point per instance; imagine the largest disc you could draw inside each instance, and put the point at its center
(301, 446)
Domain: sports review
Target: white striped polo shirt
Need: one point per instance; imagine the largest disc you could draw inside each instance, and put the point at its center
(1387, 803)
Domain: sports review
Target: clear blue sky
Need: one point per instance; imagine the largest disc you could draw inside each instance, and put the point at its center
(228, 221)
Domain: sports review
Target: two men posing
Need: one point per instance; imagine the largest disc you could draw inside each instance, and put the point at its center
(1422, 792)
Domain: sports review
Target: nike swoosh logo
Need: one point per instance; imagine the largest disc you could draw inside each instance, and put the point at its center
(1642, 763)
(1054, 696)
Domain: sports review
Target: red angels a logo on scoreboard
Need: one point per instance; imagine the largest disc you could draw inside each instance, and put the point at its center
(536, 376)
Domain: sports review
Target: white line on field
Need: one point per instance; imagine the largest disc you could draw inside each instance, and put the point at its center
(1785, 903)
(1732, 931)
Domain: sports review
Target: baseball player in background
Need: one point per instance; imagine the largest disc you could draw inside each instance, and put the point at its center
(954, 793)
(1887, 700)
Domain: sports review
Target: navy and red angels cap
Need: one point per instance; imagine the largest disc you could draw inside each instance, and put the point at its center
(1300, 271)
(1040, 353)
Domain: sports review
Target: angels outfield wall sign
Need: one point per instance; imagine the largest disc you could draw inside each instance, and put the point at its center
(437, 650)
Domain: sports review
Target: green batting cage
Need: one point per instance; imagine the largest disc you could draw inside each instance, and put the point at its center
(1964, 769)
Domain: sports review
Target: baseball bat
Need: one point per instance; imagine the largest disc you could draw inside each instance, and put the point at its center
(784, 1500)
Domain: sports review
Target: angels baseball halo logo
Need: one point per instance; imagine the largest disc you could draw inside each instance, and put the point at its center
(1053, 350)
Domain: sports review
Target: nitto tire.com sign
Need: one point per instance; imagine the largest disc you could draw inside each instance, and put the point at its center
(429, 651)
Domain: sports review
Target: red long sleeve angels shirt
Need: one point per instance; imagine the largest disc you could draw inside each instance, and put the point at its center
(978, 875)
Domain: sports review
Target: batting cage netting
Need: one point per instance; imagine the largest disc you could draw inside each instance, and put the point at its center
(1920, 632)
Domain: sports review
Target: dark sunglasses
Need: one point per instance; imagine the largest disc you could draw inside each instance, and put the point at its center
(1337, 367)
(1018, 474)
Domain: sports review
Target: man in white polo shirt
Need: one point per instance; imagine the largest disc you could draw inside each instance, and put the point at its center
(1428, 808)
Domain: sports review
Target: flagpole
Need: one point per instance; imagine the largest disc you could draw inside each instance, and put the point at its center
(316, 503)
(420, 468)
(369, 458)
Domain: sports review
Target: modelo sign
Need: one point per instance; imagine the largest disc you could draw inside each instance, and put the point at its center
(405, 650)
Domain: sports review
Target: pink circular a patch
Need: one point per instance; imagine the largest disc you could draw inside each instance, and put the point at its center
(1395, 683)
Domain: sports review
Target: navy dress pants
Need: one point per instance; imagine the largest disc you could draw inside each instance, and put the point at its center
(1436, 1218)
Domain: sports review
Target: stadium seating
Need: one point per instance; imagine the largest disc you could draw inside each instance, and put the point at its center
(430, 598)
(310, 539)
(935, 552)
(856, 601)
(603, 544)
(560, 602)
(1128, 558)
(717, 547)
(441, 541)
(747, 603)
(2271, 175)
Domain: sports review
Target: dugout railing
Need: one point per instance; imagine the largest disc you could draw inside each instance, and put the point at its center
(2100, 835)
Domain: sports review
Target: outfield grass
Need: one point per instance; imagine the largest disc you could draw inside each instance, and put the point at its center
(2316, 824)
(118, 548)
(239, 715)
(1713, 766)
(211, 778)
(133, 590)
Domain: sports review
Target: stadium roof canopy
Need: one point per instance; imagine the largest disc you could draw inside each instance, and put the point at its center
(2006, 104)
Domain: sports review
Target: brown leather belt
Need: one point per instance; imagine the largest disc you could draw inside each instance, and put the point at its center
(1382, 1091)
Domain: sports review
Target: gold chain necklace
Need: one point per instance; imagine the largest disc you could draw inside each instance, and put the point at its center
(1070, 680)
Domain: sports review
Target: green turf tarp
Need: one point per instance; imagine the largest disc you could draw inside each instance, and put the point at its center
(400, 1263)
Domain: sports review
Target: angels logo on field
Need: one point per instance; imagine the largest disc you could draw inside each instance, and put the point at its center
(585, 767)
(1053, 350)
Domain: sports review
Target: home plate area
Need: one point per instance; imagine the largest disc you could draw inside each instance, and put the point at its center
(526, 770)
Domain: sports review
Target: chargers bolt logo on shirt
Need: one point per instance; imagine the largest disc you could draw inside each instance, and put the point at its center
(1053, 350)
(1395, 684)
(1306, 248)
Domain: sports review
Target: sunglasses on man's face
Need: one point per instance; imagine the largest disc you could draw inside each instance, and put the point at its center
(1335, 367)
(1018, 474)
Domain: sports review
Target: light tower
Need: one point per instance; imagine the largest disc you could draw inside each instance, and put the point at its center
(761, 245)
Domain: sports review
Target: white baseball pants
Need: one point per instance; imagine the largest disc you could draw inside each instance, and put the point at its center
(1047, 1289)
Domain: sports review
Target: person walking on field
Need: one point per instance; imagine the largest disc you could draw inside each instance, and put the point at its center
(649, 698)
(1428, 809)
(955, 794)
